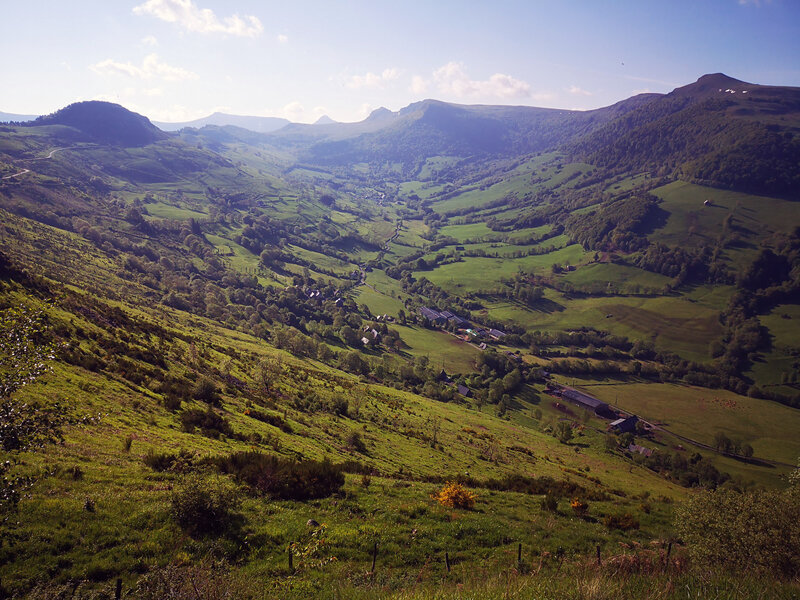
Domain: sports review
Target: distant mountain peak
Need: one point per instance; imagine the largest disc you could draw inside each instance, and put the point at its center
(106, 123)
(324, 120)
(379, 113)
(712, 83)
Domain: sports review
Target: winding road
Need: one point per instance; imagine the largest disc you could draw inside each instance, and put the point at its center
(39, 158)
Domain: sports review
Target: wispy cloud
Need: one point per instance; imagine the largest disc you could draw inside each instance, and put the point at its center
(150, 40)
(151, 68)
(372, 80)
(199, 20)
(576, 91)
(754, 2)
(418, 85)
(282, 39)
(452, 79)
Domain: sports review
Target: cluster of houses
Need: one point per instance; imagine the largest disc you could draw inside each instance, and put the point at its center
(312, 293)
(468, 333)
(443, 377)
(371, 336)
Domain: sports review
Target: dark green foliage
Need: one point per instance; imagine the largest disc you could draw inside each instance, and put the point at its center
(272, 419)
(210, 423)
(750, 531)
(613, 226)
(550, 503)
(205, 391)
(623, 522)
(283, 478)
(165, 461)
(204, 506)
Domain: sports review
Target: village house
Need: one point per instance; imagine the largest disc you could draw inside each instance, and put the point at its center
(624, 425)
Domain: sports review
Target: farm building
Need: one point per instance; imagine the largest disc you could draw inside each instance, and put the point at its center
(464, 391)
(434, 316)
(585, 401)
(626, 425)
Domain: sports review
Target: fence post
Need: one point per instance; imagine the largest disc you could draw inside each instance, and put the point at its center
(447, 561)
(666, 558)
(599, 562)
(374, 557)
(118, 590)
(291, 561)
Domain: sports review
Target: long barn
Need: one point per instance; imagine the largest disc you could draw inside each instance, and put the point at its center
(585, 401)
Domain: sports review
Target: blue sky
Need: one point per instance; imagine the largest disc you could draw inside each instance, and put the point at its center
(175, 60)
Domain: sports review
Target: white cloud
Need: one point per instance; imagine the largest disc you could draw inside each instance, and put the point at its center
(150, 40)
(294, 111)
(365, 110)
(282, 39)
(754, 2)
(453, 80)
(151, 68)
(200, 20)
(151, 92)
(418, 85)
(575, 90)
(371, 80)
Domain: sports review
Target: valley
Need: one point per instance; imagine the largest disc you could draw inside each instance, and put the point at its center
(309, 331)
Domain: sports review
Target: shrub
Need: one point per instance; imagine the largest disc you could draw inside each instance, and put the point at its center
(270, 419)
(579, 507)
(623, 522)
(354, 442)
(550, 503)
(282, 478)
(163, 461)
(205, 391)
(454, 495)
(204, 507)
(209, 422)
(751, 531)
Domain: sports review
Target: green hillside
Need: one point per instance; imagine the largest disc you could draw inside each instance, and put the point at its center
(215, 354)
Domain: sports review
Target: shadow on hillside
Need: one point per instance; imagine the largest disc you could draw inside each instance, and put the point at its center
(546, 305)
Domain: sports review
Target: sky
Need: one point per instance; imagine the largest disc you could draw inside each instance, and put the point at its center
(179, 60)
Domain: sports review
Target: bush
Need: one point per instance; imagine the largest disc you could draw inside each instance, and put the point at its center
(282, 478)
(355, 443)
(164, 461)
(550, 503)
(270, 419)
(205, 391)
(204, 506)
(624, 522)
(579, 507)
(454, 495)
(210, 423)
(751, 531)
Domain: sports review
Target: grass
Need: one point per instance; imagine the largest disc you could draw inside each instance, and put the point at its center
(700, 413)
(672, 323)
(690, 223)
(441, 348)
(613, 277)
(478, 273)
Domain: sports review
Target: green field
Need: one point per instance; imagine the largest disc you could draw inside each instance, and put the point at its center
(478, 273)
(670, 322)
(691, 223)
(700, 413)
(605, 277)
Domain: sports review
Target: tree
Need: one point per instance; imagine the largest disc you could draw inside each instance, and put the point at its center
(25, 355)
(563, 431)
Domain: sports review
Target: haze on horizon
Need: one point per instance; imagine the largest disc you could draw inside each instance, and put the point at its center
(178, 60)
